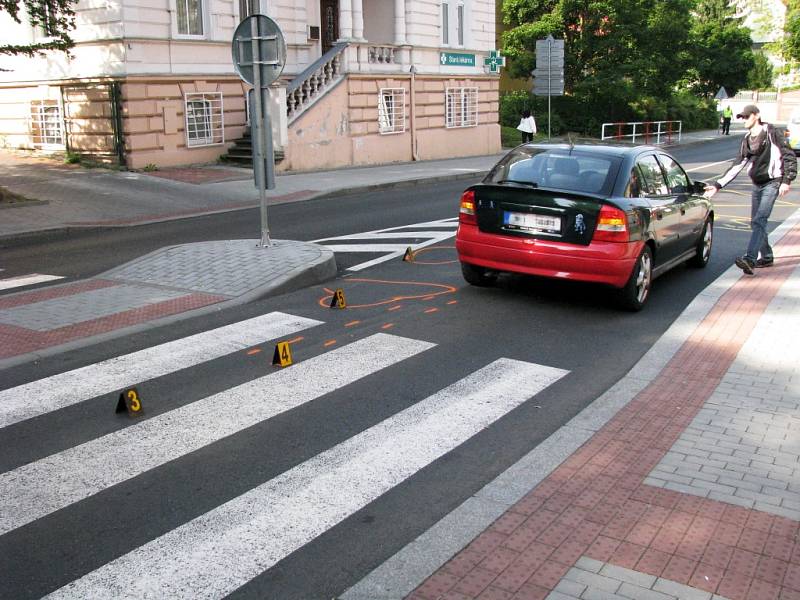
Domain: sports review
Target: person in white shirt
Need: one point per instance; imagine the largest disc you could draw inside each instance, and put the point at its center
(527, 125)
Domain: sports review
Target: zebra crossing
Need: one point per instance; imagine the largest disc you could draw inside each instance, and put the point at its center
(25, 280)
(386, 242)
(212, 554)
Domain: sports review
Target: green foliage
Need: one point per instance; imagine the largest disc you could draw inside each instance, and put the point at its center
(791, 45)
(760, 77)
(149, 167)
(72, 158)
(722, 57)
(53, 18)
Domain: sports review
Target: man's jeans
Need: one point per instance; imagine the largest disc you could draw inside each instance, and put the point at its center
(762, 200)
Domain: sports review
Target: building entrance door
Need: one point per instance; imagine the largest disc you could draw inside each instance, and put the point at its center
(329, 9)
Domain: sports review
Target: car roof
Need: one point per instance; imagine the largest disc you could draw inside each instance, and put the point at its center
(596, 149)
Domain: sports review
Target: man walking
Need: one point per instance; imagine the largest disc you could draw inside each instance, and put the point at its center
(727, 115)
(772, 166)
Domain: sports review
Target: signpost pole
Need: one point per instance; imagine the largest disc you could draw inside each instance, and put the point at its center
(258, 129)
(549, 80)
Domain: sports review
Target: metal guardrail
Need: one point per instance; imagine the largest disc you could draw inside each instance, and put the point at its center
(648, 132)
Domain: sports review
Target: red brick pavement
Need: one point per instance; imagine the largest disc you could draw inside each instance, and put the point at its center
(15, 341)
(595, 503)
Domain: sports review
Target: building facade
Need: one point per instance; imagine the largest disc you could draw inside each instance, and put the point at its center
(152, 82)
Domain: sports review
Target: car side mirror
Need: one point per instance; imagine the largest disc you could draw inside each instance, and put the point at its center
(698, 187)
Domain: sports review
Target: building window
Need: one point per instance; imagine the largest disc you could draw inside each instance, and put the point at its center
(445, 23)
(392, 110)
(460, 24)
(47, 124)
(190, 17)
(461, 107)
(204, 123)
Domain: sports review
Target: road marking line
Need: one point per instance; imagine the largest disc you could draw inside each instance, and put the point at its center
(23, 280)
(714, 164)
(53, 393)
(218, 552)
(44, 486)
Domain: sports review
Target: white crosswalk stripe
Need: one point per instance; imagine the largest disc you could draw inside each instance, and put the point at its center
(225, 544)
(383, 241)
(218, 552)
(42, 487)
(23, 280)
(38, 397)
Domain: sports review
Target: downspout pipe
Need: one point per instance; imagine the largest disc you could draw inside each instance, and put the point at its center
(411, 114)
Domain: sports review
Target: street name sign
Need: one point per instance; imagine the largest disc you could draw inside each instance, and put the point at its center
(456, 59)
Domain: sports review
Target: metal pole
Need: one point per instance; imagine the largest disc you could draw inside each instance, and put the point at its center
(549, 80)
(259, 138)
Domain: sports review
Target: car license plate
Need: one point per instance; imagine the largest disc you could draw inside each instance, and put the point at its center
(532, 222)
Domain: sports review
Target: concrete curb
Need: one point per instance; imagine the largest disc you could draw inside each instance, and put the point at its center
(407, 569)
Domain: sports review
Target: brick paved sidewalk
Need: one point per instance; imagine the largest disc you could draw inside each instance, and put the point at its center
(692, 490)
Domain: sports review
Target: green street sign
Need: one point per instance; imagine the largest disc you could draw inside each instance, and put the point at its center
(494, 61)
(455, 59)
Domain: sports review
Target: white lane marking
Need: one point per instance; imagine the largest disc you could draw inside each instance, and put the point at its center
(23, 280)
(416, 230)
(714, 164)
(219, 551)
(39, 488)
(52, 393)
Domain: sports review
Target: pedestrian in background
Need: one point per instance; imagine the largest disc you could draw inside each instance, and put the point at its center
(727, 115)
(527, 125)
(772, 166)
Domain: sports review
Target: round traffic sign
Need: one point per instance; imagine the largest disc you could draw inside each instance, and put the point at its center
(271, 49)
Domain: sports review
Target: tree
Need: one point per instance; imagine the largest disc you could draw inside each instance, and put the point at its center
(760, 77)
(721, 49)
(791, 45)
(55, 18)
(616, 50)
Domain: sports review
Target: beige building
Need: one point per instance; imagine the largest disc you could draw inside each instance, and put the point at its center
(151, 82)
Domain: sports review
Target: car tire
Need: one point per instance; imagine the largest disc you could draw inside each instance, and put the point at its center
(635, 293)
(703, 246)
(480, 276)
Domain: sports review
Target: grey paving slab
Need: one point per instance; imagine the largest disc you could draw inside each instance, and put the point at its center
(85, 306)
(745, 424)
(229, 268)
(611, 581)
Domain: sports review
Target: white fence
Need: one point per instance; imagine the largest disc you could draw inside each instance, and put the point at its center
(643, 132)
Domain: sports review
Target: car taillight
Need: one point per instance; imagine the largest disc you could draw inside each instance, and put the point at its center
(466, 213)
(612, 225)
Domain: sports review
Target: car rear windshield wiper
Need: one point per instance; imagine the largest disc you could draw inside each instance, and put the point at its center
(530, 183)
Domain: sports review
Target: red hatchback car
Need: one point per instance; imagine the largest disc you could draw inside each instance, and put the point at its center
(611, 215)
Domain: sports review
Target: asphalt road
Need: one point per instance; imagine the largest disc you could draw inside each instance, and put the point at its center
(572, 327)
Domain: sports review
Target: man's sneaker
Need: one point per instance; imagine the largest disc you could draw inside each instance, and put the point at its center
(764, 262)
(745, 264)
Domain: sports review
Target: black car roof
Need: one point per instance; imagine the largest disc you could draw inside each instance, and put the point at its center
(596, 149)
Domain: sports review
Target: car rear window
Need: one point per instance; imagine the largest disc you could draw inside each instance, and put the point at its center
(563, 170)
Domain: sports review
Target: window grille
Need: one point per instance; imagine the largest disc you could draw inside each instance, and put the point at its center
(392, 110)
(189, 14)
(47, 124)
(461, 107)
(204, 123)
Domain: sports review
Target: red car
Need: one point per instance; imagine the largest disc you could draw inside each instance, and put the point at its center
(619, 216)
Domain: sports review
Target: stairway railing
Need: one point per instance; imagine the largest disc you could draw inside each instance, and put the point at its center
(310, 85)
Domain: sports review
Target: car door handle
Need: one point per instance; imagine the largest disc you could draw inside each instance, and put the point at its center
(683, 211)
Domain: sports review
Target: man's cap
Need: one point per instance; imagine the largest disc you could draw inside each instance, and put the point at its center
(750, 109)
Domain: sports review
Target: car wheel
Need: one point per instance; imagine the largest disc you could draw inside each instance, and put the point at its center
(637, 290)
(475, 275)
(703, 246)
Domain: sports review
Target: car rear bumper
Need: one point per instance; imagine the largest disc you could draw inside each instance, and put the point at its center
(610, 263)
